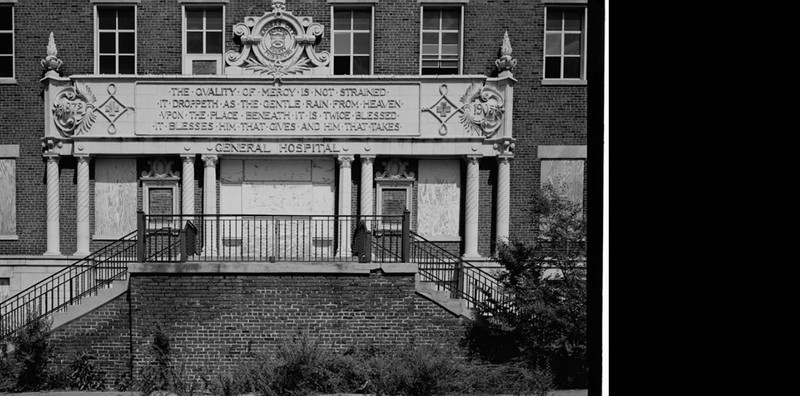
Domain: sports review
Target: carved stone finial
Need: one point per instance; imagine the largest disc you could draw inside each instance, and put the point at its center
(51, 63)
(506, 63)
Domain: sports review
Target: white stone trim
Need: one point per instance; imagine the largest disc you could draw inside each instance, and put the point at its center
(564, 81)
(9, 151)
(445, 4)
(96, 33)
(561, 152)
(101, 2)
(355, 5)
(186, 58)
(345, 2)
(9, 238)
(556, 2)
(8, 1)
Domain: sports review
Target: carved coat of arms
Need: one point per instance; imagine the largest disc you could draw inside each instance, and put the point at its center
(277, 43)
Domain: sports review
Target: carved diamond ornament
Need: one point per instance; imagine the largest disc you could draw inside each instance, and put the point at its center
(75, 112)
(481, 110)
(278, 43)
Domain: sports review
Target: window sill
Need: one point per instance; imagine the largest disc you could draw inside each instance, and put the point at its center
(9, 237)
(563, 82)
(8, 81)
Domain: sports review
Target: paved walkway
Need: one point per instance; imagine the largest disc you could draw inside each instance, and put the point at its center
(577, 392)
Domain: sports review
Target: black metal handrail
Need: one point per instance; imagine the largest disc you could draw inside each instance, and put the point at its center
(262, 237)
(461, 278)
(69, 285)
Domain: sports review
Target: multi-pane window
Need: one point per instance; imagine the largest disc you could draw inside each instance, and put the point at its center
(352, 41)
(116, 38)
(203, 40)
(441, 46)
(563, 42)
(6, 42)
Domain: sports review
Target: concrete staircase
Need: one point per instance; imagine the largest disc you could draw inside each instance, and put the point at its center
(457, 306)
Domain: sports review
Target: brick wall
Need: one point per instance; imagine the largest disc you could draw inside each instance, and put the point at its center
(213, 319)
(103, 333)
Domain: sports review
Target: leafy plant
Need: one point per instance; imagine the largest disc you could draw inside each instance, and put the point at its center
(32, 353)
(163, 373)
(83, 375)
(546, 281)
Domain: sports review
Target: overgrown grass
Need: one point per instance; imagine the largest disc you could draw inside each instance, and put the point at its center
(303, 367)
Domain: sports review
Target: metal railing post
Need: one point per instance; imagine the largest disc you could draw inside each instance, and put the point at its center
(140, 232)
(182, 252)
(368, 246)
(406, 237)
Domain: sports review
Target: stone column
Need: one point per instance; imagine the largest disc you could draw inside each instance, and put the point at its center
(345, 200)
(210, 203)
(187, 189)
(503, 194)
(82, 229)
(53, 208)
(471, 215)
(367, 191)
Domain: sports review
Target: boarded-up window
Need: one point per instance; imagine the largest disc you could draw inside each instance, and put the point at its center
(5, 288)
(439, 199)
(161, 201)
(8, 191)
(566, 176)
(115, 197)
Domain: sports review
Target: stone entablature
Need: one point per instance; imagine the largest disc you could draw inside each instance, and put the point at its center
(202, 112)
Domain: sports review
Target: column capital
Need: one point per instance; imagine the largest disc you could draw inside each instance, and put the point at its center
(368, 158)
(188, 157)
(83, 157)
(52, 157)
(210, 160)
(345, 160)
(473, 159)
(504, 159)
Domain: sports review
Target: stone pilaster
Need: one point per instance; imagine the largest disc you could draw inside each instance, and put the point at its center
(210, 203)
(53, 207)
(187, 188)
(471, 210)
(367, 192)
(503, 200)
(82, 218)
(345, 200)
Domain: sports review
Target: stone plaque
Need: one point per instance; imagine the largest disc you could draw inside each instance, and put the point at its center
(268, 110)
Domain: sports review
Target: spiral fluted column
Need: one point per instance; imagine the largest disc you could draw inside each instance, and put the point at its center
(471, 214)
(366, 187)
(187, 189)
(210, 202)
(503, 192)
(345, 200)
(53, 208)
(82, 218)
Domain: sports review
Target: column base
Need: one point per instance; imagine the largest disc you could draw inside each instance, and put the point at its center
(81, 254)
(471, 256)
(52, 254)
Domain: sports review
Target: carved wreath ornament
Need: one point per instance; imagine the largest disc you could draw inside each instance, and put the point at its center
(73, 110)
(481, 110)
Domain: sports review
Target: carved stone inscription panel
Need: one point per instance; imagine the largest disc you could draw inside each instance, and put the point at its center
(8, 193)
(258, 110)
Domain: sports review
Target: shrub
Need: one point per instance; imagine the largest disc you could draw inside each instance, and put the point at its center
(546, 282)
(32, 353)
(83, 375)
(163, 373)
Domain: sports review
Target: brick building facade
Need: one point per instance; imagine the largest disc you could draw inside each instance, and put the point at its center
(99, 104)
